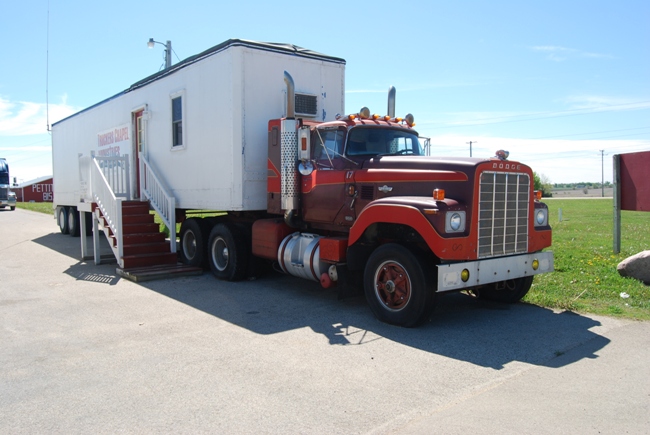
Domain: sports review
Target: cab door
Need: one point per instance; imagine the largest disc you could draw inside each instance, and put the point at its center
(325, 192)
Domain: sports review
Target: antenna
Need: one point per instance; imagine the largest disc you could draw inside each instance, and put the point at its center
(47, 70)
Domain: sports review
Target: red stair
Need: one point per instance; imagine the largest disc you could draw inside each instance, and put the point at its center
(143, 243)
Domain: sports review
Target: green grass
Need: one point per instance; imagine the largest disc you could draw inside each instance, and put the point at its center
(585, 278)
(41, 207)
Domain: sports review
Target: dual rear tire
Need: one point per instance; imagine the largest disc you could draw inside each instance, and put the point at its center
(222, 247)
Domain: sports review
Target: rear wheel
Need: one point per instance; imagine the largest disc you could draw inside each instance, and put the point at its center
(73, 222)
(193, 242)
(397, 287)
(62, 220)
(509, 291)
(228, 253)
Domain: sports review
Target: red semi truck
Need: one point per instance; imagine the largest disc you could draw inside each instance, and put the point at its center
(335, 199)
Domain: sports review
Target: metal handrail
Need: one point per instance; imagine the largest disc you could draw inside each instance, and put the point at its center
(161, 200)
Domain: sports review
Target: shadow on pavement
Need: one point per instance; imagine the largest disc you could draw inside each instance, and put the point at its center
(463, 328)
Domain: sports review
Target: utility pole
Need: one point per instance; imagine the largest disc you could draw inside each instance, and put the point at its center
(602, 171)
(470, 146)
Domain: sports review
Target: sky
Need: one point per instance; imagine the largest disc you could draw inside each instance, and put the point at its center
(562, 85)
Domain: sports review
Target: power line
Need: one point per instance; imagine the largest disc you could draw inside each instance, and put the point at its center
(594, 132)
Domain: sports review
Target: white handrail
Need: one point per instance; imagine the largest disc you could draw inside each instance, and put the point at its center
(161, 200)
(109, 204)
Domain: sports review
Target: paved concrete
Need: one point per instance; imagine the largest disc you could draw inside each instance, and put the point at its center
(84, 351)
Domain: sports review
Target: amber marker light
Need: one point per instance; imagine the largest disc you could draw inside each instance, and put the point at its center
(538, 195)
(439, 194)
(375, 116)
(535, 264)
(351, 117)
(464, 275)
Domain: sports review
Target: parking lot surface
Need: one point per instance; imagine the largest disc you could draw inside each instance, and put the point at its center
(85, 351)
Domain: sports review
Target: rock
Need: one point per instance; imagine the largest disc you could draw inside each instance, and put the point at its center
(636, 266)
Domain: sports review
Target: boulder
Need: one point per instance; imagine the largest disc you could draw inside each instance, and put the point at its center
(636, 266)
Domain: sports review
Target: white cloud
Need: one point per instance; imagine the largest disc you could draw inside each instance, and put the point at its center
(23, 118)
(558, 53)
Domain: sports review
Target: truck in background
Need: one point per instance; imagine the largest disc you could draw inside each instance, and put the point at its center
(7, 197)
(332, 198)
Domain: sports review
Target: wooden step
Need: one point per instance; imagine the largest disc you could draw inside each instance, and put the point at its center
(140, 228)
(134, 207)
(138, 218)
(150, 273)
(146, 248)
(144, 260)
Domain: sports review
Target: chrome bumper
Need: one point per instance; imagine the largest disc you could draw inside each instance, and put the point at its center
(492, 270)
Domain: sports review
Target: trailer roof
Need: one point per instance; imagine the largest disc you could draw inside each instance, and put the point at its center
(264, 46)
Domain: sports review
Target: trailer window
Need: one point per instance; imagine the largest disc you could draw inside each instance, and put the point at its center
(177, 121)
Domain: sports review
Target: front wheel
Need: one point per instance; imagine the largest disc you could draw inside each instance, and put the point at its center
(397, 287)
(509, 291)
(227, 252)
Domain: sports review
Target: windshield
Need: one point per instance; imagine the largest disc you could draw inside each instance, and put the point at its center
(364, 141)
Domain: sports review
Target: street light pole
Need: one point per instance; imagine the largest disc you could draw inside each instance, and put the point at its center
(168, 51)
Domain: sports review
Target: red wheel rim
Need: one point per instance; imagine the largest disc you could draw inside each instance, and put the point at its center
(392, 285)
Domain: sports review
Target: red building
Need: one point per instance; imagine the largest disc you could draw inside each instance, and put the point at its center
(38, 190)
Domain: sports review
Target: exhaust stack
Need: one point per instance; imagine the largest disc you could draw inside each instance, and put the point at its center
(391, 101)
(289, 154)
(291, 96)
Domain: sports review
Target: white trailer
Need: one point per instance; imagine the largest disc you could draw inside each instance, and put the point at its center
(199, 128)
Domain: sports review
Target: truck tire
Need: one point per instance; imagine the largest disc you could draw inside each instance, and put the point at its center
(397, 287)
(62, 219)
(509, 292)
(228, 253)
(73, 222)
(194, 245)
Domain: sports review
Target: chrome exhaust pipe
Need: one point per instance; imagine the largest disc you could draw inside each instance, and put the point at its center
(391, 101)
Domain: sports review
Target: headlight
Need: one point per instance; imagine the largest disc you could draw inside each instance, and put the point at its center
(541, 217)
(455, 221)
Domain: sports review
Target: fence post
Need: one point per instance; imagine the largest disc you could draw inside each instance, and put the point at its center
(617, 203)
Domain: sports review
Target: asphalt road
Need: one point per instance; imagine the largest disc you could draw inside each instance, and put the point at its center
(84, 351)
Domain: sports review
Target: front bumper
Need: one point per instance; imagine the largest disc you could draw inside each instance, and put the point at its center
(492, 270)
(7, 202)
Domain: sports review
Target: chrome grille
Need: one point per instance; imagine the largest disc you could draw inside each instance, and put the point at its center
(4, 192)
(503, 213)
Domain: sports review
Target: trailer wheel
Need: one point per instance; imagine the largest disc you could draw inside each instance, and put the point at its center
(62, 220)
(227, 252)
(73, 222)
(397, 287)
(510, 291)
(193, 242)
